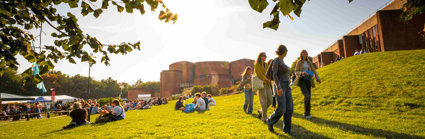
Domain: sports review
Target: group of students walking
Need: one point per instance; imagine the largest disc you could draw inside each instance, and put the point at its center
(272, 84)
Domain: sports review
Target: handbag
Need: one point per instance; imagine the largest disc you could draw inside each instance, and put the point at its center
(257, 83)
(102, 119)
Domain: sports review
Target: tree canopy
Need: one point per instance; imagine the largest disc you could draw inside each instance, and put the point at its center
(18, 17)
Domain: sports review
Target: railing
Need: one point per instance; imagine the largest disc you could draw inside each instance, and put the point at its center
(31, 115)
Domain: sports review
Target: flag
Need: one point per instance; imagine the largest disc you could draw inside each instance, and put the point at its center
(35, 68)
(53, 96)
(41, 87)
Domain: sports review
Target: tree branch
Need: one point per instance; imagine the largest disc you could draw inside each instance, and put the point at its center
(48, 22)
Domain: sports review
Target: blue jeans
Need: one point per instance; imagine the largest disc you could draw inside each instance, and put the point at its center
(285, 108)
(249, 100)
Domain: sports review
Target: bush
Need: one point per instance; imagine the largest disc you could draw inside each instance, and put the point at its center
(103, 101)
(223, 91)
(210, 89)
(175, 97)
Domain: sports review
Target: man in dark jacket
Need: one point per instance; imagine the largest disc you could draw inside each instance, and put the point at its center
(204, 96)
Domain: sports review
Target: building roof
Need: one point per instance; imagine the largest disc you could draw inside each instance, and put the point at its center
(6, 96)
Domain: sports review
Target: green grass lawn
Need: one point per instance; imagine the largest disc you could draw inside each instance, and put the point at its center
(378, 95)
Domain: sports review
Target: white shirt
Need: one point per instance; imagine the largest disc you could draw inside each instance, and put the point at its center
(305, 66)
(356, 53)
(201, 103)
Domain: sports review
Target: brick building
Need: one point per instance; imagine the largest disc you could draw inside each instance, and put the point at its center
(384, 31)
(186, 74)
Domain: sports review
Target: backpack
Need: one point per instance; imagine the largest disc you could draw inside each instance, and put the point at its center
(269, 72)
(189, 108)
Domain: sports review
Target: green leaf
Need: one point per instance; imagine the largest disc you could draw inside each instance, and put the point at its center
(128, 8)
(84, 12)
(97, 12)
(120, 8)
(141, 9)
(258, 5)
(298, 11)
(71, 60)
(43, 69)
(105, 4)
(37, 79)
(286, 6)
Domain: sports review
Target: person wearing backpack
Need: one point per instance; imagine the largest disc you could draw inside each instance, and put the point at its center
(304, 71)
(279, 73)
(265, 94)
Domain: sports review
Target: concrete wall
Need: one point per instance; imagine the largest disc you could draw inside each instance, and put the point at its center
(187, 69)
(398, 35)
(170, 82)
(238, 66)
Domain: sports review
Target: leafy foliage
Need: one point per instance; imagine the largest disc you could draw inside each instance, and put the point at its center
(154, 86)
(75, 86)
(286, 7)
(108, 100)
(210, 89)
(18, 17)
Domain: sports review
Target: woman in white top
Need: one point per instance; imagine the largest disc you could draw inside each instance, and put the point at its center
(304, 80)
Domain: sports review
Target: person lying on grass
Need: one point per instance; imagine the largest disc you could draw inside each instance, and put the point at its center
(179, 104)
(78, 116)
(200, 103)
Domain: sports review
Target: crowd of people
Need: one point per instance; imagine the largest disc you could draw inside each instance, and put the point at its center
(202, 101)
(20, 110)
(80, 110)
(144, 104)
(271, 81)
(361, 51)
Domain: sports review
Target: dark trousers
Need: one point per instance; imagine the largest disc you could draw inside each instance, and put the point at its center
(285, 108)
(274, 95)
(305, 86)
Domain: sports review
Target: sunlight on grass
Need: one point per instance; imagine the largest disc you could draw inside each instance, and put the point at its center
(378, 95)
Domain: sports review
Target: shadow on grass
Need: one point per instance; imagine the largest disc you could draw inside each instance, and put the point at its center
(358, 129)
(296, 130)
(92, 124)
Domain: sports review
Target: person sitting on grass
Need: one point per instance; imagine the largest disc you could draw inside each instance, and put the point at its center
(118, 112)
(200, 103)
(78, 116)
(108, 107)
(179, 104)
(204, 97)
(211, 101)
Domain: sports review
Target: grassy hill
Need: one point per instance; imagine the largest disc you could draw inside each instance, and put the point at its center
(378, 95)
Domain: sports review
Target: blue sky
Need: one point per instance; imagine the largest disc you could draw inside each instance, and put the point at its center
(210, 30)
